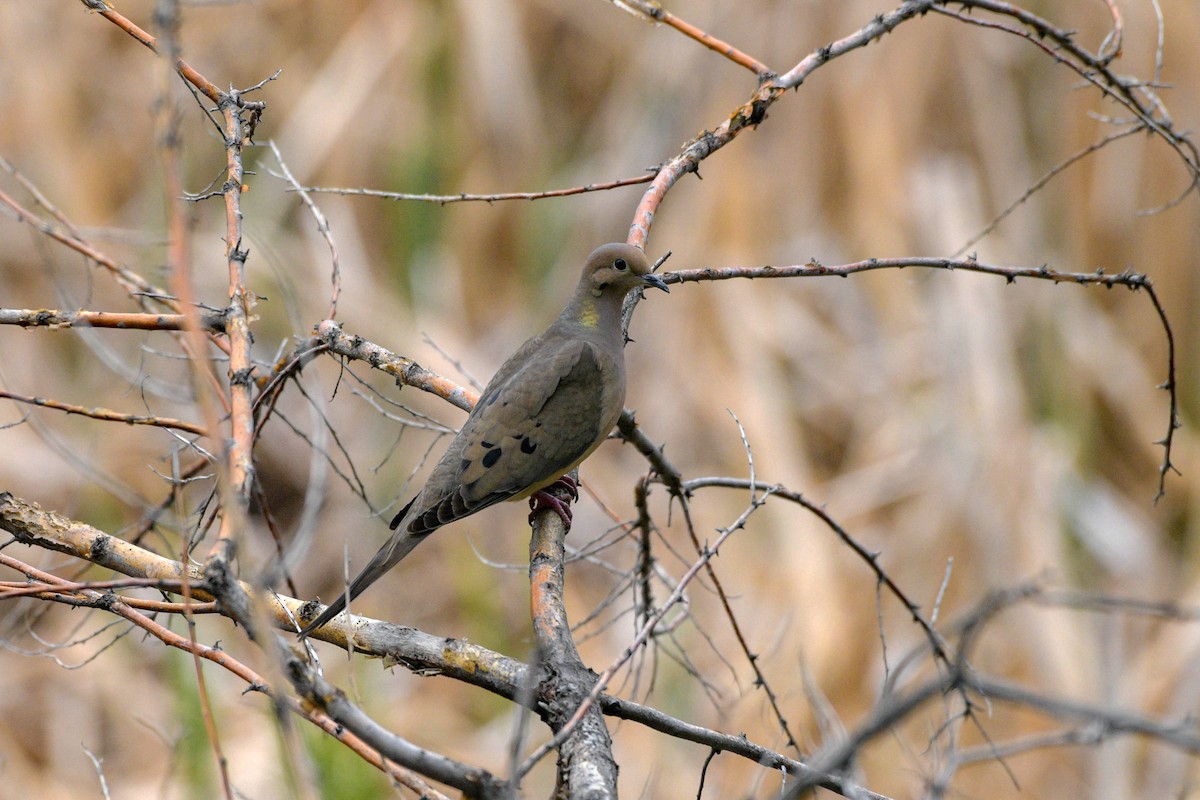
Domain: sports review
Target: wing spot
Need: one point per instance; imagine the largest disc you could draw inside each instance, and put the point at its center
(487, 445)
(527, 446)
(492, 457)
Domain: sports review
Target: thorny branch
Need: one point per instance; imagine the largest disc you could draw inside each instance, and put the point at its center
(1134, 281)
(465, 197)
(107, 414)
(245, 408)
(53, 319)
(423, 653)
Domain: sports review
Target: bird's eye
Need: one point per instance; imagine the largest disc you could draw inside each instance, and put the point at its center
(619, 265)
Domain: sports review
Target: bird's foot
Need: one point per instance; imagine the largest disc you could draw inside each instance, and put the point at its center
(568, 483)
(543, 499)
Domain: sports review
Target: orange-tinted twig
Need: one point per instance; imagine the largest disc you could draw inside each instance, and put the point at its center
(53, 318)
(129, 280)
(137, 286)
(191, 75)
(107, 414)
(660, 14)
(237, 328)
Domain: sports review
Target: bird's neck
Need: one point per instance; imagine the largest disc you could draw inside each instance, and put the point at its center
(598, 315)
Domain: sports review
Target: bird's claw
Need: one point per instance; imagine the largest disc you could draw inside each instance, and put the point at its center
(568, 483)
(542, 499)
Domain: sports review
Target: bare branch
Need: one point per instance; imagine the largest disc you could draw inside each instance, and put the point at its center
(464, 197)
(50, 318)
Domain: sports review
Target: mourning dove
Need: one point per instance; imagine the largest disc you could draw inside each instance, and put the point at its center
(546, 409)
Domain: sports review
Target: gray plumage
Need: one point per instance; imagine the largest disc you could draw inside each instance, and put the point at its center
(545, 410)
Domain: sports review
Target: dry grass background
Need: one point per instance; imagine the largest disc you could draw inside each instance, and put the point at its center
(937, 416)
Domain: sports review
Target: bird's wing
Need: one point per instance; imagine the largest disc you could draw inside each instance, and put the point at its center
(536, 420)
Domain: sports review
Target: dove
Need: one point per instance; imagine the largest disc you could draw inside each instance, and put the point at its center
(546, 409)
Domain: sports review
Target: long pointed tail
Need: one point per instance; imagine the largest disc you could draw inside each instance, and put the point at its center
(391, 554)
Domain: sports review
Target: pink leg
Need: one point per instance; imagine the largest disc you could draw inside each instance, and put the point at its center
(542, 499)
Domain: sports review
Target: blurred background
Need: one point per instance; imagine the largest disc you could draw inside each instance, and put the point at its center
(976, 434)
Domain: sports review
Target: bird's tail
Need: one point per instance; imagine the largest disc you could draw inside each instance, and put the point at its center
(397, 547)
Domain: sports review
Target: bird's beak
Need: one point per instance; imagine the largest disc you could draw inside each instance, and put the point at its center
(655, 281)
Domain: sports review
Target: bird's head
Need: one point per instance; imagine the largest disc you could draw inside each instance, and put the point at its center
(616, 269)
